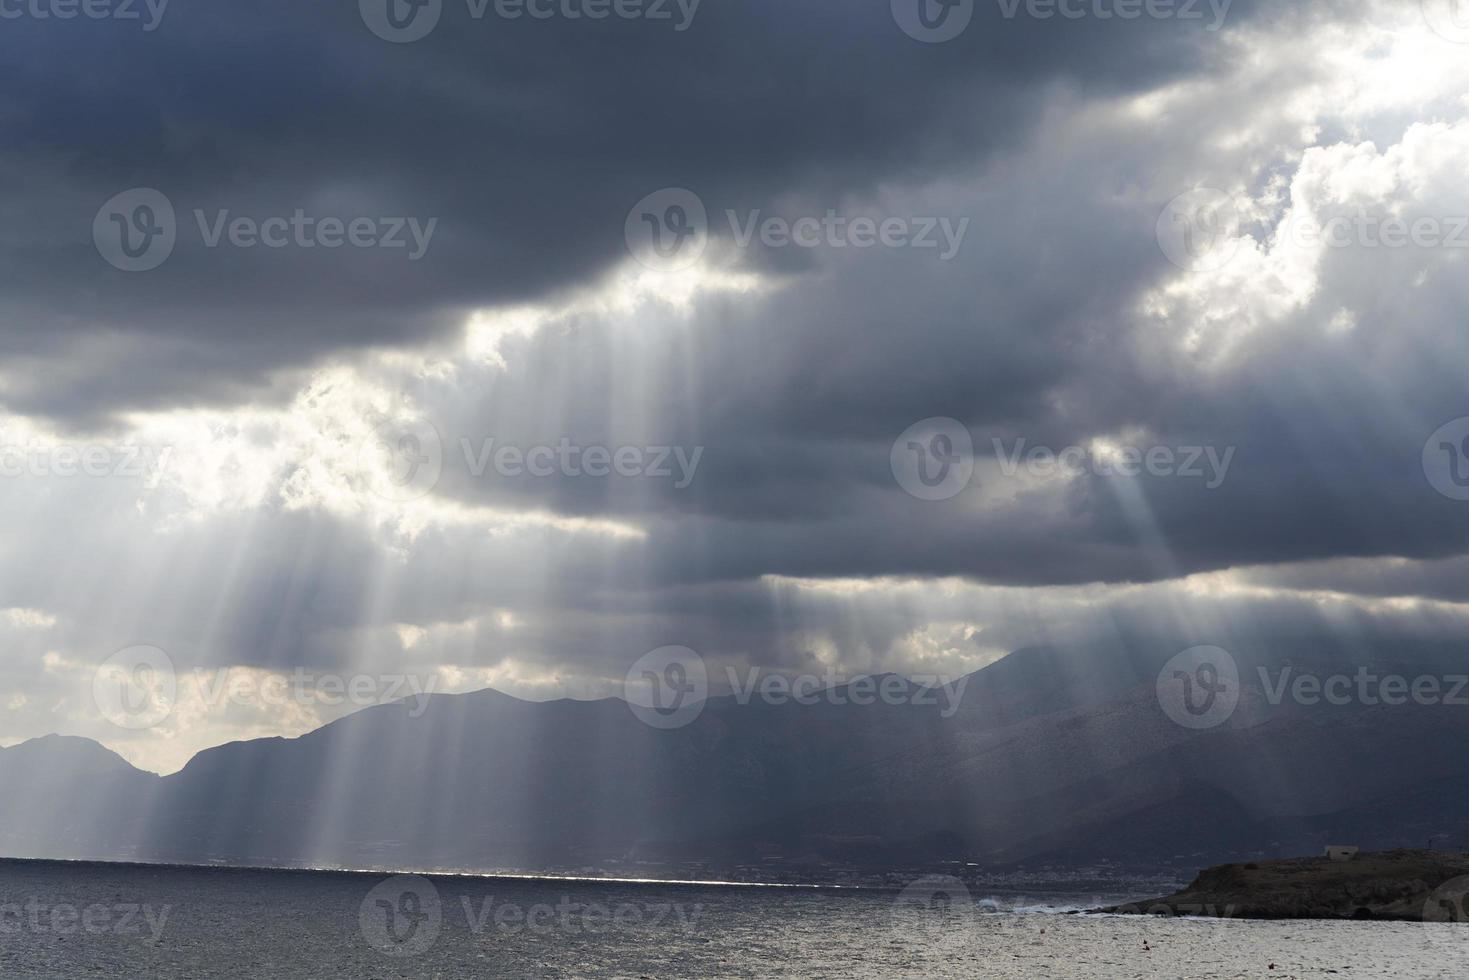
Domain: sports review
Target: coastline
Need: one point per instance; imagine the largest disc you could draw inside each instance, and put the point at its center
(1403, 885)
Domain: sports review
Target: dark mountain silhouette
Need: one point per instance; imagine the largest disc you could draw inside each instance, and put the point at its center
(69, 797)
(1052, 757)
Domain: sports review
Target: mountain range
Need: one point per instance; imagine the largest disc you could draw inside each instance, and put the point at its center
(1052, 758)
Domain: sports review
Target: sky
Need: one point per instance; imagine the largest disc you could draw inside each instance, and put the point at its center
(464, 345)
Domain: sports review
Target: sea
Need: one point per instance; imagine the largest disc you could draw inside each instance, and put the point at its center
(60, 921)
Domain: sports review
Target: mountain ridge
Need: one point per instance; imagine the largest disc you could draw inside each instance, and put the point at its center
(1041, 762)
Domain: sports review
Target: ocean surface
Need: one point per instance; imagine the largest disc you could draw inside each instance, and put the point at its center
(86, 920)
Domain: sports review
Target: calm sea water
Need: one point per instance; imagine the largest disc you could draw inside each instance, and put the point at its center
(113, 921)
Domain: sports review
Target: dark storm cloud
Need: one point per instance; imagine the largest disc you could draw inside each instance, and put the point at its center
(1033, 332)
(529, 141)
